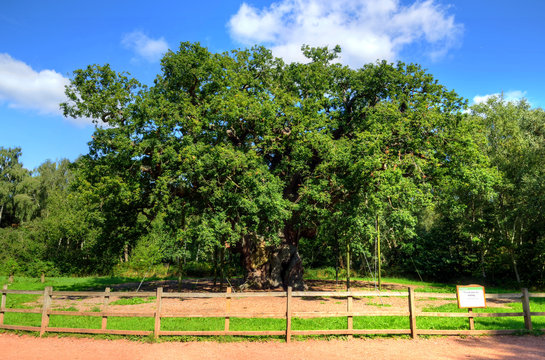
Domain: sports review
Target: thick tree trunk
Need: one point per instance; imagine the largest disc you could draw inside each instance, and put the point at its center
(272, 266)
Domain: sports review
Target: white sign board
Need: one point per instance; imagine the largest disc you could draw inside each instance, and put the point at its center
(470, 296)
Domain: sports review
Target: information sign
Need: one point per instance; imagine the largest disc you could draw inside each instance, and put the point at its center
(470, 296)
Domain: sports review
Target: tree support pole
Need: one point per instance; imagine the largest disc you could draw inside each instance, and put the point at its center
(378, 257)
(348, 267)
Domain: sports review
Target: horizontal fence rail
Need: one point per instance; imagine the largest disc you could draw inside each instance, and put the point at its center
(287, 313)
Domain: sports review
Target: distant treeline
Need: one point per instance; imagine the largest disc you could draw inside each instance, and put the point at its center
(243, 162)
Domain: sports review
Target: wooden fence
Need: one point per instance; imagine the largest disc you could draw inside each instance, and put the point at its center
(286, 314)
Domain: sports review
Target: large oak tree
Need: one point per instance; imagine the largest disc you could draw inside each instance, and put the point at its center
(241, 150)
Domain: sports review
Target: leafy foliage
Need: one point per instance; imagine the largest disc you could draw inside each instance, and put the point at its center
(238, 156)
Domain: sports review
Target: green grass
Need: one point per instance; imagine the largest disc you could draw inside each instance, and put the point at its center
(192, 324)
(421, 286)
(22, 319)
(254, 324)
(239, 324)
(133, 301)
(332, 323)
(329, 274)
(377, 304)
(69, 283)
(58, 284)
(18, 301)
(128, 323)
(101, 282)
(536, 305)
(78, 322)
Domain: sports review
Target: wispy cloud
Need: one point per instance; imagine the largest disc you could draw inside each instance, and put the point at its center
(144, 46)
(367, 30)
(25, 88)
(509, 96)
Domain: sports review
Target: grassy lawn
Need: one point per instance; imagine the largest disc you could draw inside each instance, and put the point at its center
(69, 283)
(421, 286)
(536, 305)
(66, 284)
(133, 301)
(254, 324)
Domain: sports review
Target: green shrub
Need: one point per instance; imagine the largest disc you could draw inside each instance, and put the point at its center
(198, 269)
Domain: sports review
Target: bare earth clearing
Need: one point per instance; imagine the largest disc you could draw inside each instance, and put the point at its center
(214, 306)
(498, 347)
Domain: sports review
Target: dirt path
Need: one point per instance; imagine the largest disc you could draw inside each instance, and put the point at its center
(498, 347)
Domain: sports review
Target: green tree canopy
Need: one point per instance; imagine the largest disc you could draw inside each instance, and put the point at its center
(516, 147)
(242, 149)
(17, 189)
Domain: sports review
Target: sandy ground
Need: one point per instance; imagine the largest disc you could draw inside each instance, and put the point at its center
(214, 306)
(498, 347)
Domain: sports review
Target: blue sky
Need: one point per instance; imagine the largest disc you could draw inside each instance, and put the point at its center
(477, 48)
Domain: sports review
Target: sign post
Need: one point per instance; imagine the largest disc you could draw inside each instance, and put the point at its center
(469, 297)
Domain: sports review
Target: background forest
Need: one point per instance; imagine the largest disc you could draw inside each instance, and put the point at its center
(242, 164)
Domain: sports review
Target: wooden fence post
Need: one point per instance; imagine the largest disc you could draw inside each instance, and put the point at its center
(526, 308)
(105, 305)
(3, 305)
(157, 326)
(10, 279)
(42, 278)
(412, 313)
(227, 308)
(45, 309)
(349, 317)
(471, 319)
(288, 315)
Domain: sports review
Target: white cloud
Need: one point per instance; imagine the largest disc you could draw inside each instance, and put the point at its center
(22, 87)
(144, 46)
(367, 30)
(509, 96)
